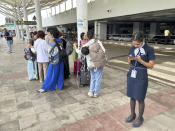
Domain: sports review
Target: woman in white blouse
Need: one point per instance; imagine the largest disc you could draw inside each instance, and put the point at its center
(41, 48)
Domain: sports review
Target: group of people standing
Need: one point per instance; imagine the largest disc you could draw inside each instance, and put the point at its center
(53, 68)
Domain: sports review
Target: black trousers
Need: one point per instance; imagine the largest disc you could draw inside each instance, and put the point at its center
(166, 40)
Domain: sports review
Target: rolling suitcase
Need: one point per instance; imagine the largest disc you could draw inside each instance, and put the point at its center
(84, 73)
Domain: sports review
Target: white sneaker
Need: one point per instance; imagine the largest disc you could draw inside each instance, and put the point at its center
(41, 91)
(90, 94)
(96, 95)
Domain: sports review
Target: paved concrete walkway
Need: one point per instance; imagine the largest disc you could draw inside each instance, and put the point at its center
(23, 109)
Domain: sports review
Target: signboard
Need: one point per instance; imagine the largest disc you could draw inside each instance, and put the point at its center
(80, 24)
(10, 25)
(26, 22)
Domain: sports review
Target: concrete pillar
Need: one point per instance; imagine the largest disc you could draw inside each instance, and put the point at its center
(38, 14)
(137, 26)
(82, 17)
(20, 18)
(65, 5)
(59, 8)
(17, 30)
(72, 4)
(18, 36)
(96, 29)
(26, 19)
(100, 30)
(153, 29)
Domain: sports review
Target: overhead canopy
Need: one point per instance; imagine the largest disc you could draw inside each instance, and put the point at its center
(9, 7)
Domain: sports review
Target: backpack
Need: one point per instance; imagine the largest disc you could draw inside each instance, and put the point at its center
(54, 50)
(69, 48)
(98, 56)
(62, 51)
(28, 55)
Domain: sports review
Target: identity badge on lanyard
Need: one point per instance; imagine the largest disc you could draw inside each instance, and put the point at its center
(134, 72)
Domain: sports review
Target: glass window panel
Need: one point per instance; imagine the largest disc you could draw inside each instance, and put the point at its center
(74, 3)
(68, 5)
(49, 12)
(43, 13)
(57, 9)
(53, 10)
(62, 7)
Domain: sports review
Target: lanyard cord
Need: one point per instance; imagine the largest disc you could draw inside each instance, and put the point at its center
(136, 56)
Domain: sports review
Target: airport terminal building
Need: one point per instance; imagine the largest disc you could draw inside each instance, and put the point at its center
(111, 19)
(117, 18)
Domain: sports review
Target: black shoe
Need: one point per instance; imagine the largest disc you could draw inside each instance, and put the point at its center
(130, 118)
(138, 122)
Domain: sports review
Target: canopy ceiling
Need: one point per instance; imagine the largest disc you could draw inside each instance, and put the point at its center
(9, 7)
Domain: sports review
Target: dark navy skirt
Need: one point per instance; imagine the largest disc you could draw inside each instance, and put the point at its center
(137, 87)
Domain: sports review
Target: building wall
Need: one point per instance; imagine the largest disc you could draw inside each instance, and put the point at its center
(101, 9)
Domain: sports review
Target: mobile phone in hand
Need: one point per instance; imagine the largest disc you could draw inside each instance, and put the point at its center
(131, 57)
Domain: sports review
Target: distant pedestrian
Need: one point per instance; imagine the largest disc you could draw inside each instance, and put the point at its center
(11, 35)
(167, 36)
(9, 40)
(141, 57)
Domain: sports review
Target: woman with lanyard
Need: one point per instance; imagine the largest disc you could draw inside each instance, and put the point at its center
(141, 57)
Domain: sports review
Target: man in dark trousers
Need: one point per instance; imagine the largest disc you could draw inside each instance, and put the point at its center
(9, 40)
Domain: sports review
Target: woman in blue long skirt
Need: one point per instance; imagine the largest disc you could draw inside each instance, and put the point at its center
(141, 57)
(55, 72)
